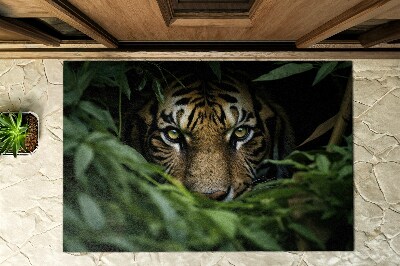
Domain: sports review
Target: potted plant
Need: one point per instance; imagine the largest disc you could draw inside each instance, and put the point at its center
(19, 133)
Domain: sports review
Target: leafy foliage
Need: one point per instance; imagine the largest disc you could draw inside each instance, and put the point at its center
(290, 69)
(285, 71)
(113, 202)
(216, 69)
(12, 133)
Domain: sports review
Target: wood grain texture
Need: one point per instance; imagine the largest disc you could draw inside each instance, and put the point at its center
(28, 32)
(211, 22)
(22, 9)
(327, 45)
(7, 36)
(184, 14)
(113, 21)
(107, 54)
(274, 20)
(63, 10)
(393, 13)
(166, 11)
(381, 34)
(201, 5)
(254, 7)
(359, 13)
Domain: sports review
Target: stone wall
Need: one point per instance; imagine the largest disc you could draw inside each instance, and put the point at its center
(31, 187)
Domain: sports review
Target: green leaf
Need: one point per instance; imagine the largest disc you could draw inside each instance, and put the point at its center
(15, 148)
(97, 136)
(325, 70)
(123, 85)
(91, 109)
(69, 77)
(101, 115)
(164, 206)
(306, 233)
(74, 128)
(273, 194)
(79, 82)
(83, 156)
(119, 242)
(323, 163)
(142, 83)
(345, 171)
(285, 71)
(71, 215)
(102, 82)
(23, 129)
(328, 214)
(69, 144)
(226, 221)
(21, 140)
(124, 153)
(19, 119)
(216, 69)
(169, 214)
(261, 239)
(108, 121)
(6, 145)
(85, 76)
(158, 90)
(301, 156)
(344, 64)
(287, 162)
(3, 136)
(12, 116)
(341, 150)
(71, 97)
(8, 120)
(91, 212)
(74, 244)
(4, 121)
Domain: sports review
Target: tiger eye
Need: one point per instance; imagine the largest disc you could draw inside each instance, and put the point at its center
(240, 132)
(173, 134)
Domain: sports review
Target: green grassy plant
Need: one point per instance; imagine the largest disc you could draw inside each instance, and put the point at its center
(12, 133)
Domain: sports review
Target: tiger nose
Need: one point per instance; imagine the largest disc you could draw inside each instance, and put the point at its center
(217, 195)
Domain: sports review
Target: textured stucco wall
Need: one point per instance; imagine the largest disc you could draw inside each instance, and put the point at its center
(31, 187)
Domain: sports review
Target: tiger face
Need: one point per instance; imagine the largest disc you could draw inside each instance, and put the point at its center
(210, 136)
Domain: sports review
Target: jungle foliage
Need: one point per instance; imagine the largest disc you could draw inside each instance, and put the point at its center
(113, 202)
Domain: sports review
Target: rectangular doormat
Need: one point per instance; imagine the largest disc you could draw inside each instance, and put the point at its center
(207, 156)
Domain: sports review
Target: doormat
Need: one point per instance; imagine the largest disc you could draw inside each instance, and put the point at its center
(207, 156)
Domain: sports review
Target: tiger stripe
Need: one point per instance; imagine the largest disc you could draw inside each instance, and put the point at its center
(208, 157)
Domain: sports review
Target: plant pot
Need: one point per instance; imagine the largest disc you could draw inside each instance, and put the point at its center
(31, 119)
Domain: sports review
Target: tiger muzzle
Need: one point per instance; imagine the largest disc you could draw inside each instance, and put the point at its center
(221, 195)
(208, 173)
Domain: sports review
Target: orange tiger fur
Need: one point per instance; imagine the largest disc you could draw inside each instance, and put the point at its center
(212, 136)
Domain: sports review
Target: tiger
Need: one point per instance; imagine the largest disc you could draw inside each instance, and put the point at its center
(213, 135)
